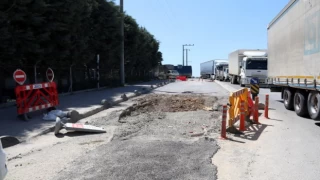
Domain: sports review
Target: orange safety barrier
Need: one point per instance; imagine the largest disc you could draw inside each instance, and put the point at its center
(256, 110)
(223, 122)
(182, 78)
(250, 104)
(242, 116)
(235, 101)
(35, 97)
(266, 107)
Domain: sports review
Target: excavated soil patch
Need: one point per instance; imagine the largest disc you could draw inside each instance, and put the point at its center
(173, 103)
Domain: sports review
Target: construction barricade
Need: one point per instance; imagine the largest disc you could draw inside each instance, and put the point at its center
(235, 100)
(241, 108)
(181, 78)
(34, 97)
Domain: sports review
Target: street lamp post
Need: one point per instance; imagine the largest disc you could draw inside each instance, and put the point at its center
(35, 71)
(183, 52)
(187, 56)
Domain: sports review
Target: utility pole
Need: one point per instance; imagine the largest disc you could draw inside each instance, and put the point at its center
(183, 52)
(187, 56)
(122, 44)
(98, 71)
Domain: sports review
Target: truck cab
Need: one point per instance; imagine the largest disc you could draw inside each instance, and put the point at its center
(226, 74)
(220, 68)
(254, 64)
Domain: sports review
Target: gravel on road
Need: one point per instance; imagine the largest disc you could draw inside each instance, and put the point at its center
(163, 139)
(154, 136)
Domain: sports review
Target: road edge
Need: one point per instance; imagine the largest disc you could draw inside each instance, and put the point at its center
(226, 87)
(77, 117)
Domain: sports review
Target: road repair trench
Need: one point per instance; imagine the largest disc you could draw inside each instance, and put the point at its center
(158, 137)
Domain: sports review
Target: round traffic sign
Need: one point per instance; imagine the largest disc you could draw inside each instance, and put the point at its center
(19, 76)
(50, 74)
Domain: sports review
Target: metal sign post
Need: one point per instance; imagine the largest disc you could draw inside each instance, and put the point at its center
(254, 87)
(76, 127)
(50, 74)
(19, 76)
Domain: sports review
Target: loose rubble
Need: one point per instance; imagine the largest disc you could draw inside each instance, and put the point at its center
(177, 116)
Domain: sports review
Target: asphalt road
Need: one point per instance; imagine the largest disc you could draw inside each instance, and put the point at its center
(146, 146)
(156, 146)
(285, 146)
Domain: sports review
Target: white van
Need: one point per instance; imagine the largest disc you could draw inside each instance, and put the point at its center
(3, 165)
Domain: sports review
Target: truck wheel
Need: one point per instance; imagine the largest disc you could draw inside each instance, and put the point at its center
(313, 105)
(288, 99)
(233, 80)
(238, 80)
(300, 103)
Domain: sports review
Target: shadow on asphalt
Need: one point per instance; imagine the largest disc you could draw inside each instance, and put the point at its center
(253, 132)
(280, 101)
(233, 140)
(272, 119)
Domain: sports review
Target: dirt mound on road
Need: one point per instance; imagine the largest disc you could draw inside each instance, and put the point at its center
(170, 103)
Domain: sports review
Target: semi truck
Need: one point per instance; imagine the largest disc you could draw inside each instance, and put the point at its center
(226, 74)
(245, 64)
(184, 70)
(165, 71)
(294, 53)
(208, 68)
(220, 71)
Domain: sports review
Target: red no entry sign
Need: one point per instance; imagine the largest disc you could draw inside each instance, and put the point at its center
(50, 74)
(19, 76)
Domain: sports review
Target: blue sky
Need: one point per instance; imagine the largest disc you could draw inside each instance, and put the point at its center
(215, 27)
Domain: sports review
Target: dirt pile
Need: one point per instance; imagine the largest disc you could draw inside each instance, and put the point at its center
(170, 103)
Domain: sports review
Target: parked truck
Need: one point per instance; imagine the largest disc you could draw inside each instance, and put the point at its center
(294, 53)
(220, 71)
(226, 74)
(184, 70)
(208, 69)
(245, 64)
(166, 71)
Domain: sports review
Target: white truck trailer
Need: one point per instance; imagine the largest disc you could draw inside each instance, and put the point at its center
(294, 53)
(245, 64)
(208, 68)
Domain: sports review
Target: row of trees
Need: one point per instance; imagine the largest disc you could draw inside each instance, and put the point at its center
(59, 33)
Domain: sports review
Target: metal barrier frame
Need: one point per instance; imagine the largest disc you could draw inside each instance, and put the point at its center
(235, 99)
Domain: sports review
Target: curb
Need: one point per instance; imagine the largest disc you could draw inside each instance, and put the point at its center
(76, 116)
